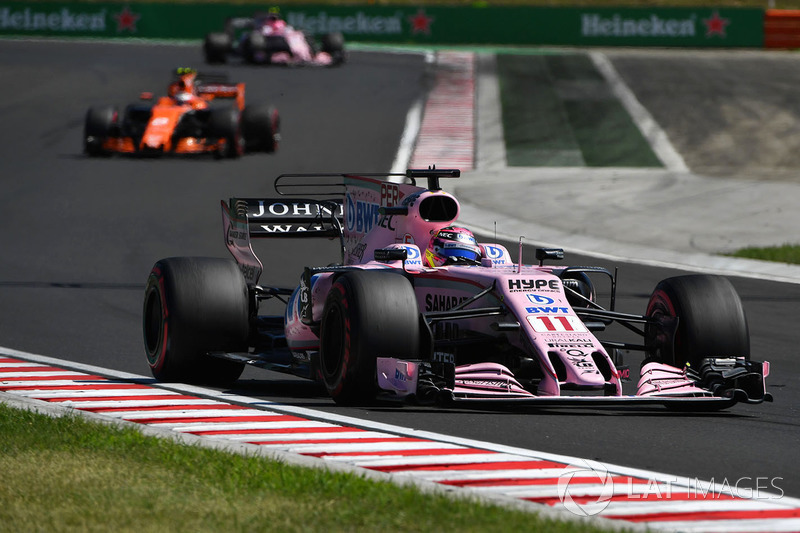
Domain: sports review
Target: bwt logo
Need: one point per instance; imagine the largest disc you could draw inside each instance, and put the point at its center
(413, 254)
(360, 216)
(539, 299)
(584, 479)
(547, 310)
(493, 252)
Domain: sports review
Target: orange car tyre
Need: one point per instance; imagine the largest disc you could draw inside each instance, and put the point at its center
(192, 306)
(99, 126)
(261, 128)
(225, 124)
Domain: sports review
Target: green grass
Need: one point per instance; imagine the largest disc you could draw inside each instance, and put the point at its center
(558, 111)
(73, 474)
(787, 253)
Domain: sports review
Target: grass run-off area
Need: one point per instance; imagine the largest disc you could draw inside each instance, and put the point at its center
(73, 474)
(787, 253)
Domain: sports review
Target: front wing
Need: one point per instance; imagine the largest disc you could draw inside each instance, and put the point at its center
(718, 384)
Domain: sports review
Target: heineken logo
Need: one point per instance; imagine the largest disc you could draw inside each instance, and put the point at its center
(63, 19)
(66, 20)
(652, 25)
(360, 23)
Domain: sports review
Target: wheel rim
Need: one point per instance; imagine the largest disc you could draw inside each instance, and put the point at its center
(662, 306)
(153, 327)
(333, 343)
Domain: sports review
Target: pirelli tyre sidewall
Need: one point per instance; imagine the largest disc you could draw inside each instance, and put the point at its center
(711, 320)
(192, 306)
(367, 314)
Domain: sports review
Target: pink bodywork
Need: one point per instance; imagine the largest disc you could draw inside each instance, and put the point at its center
(302, 53)
(534, 296)
(530, 316)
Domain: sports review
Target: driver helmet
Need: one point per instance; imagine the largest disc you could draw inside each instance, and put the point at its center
(451, 245)
(271, 18)
(183, 90)
(184, 97)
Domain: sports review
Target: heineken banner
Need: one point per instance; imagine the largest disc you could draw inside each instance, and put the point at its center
(579, 26)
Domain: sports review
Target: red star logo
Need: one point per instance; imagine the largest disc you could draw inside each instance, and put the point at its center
(716, 25)
(126, 20)
(420, 23)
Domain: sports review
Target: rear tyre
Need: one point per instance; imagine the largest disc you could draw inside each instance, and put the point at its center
(261, 128)
(216, 47)
(367, 314)
(192, 306)
(99, 125)
(224, 123)
(711, 321)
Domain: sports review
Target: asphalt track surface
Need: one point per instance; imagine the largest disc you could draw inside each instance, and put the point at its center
(80, 235)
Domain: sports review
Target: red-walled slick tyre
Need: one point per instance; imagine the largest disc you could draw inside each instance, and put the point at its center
(711, 320)
(367, 314)
(192, 306)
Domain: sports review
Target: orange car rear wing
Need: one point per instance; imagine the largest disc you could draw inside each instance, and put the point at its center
(223, 90)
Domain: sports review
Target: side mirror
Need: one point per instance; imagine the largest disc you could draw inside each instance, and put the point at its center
(555, 254)
(391, 254)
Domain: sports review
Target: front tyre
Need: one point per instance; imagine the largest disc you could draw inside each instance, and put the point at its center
(368, 314)
(224, 123)
(98, 126)
(261, 128)
(192, 306)
(333, 44)
(711, 321)
(254, 48)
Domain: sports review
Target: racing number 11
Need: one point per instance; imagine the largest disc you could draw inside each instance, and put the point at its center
(545, 324)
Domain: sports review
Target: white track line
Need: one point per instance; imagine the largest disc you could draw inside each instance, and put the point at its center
(657, 137)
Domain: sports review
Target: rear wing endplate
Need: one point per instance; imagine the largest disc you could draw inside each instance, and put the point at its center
(247, 218)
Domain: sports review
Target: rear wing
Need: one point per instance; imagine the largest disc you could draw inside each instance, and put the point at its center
(232, 91)
(298, 217)
(295, 216)
(234, 24)
(246, 218)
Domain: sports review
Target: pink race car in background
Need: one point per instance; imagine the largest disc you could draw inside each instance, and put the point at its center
(267, 39)
(417, 310)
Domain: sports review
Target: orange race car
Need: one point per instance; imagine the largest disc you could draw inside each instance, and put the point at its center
(202, 114)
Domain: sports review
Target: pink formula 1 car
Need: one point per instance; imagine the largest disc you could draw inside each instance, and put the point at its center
(266, 39)
(418, 310)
